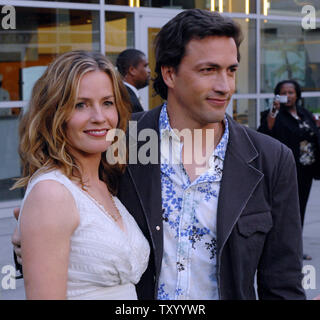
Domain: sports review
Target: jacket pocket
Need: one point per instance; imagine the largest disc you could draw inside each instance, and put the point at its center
(252, 223)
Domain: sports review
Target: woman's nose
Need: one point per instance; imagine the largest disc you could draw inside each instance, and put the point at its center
(97, 114)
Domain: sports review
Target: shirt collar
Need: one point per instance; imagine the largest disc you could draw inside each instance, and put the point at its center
(167, 131)
(134, 89)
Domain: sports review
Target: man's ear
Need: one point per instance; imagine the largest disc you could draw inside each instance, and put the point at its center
(132, 71)
(168, 75)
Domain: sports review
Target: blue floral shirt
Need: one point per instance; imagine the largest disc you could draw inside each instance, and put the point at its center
(189, 220)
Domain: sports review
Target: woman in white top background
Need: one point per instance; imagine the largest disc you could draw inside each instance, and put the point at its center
(77, 239)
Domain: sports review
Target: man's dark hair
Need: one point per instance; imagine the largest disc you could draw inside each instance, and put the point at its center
(293, 82)
(171, 41)
(128, 58)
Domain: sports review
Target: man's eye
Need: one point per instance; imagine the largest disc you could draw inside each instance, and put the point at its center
(207, 70)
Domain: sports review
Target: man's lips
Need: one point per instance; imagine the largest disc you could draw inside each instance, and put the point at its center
(218, 102)
(96, 132)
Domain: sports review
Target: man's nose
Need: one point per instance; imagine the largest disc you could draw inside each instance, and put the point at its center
(222, 84)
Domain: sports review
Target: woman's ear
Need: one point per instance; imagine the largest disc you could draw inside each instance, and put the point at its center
(168, 75)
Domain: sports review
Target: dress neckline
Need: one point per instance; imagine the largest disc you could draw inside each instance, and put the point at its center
(105, 212)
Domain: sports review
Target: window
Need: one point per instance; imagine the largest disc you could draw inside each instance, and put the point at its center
(289, 52)
(312, 104)
(119, 28)
(244, 112)
(42, 34)
(246, 74)
(286, 7)
(243, 6)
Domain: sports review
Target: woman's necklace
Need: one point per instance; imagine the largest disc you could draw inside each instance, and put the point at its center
(115, 216)
(294, 113)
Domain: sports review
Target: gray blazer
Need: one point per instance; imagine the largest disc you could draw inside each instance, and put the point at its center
(258, 223)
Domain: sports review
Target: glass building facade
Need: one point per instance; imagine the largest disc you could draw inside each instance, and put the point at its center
(282, 40)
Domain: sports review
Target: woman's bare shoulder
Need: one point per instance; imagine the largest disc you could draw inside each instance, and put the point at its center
(50, 201)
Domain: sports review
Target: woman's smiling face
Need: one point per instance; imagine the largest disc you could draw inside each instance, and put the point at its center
(94, 115)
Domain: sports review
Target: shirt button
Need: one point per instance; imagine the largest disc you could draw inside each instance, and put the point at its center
(157, 228)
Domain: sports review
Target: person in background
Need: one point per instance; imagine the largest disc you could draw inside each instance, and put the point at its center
(134, 68)
(289, 122)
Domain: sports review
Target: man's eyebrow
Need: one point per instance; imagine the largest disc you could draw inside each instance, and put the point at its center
(215, 65)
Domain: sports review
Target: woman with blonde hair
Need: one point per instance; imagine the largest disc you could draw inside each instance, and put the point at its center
(77, 240)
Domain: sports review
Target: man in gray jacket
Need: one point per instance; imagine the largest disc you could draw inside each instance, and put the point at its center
(212, 225)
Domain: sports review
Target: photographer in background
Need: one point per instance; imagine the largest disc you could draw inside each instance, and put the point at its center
(289, 122)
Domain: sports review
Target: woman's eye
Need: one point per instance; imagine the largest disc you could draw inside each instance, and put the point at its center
(80, 105)
(108, 103)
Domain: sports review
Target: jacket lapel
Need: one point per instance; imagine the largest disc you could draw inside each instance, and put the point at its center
(238, 183)
(147, 180)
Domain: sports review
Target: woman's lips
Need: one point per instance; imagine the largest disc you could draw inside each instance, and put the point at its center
(97, 132)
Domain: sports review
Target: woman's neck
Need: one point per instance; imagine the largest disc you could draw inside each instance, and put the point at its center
(89, 166)
(292, 109)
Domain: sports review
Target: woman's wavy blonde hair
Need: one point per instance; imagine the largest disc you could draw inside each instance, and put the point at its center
(43, 140)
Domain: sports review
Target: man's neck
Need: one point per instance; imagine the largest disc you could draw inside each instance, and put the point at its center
(180, 124)
(203, 141)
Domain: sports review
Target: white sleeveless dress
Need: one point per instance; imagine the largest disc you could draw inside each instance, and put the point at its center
(105, 262)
